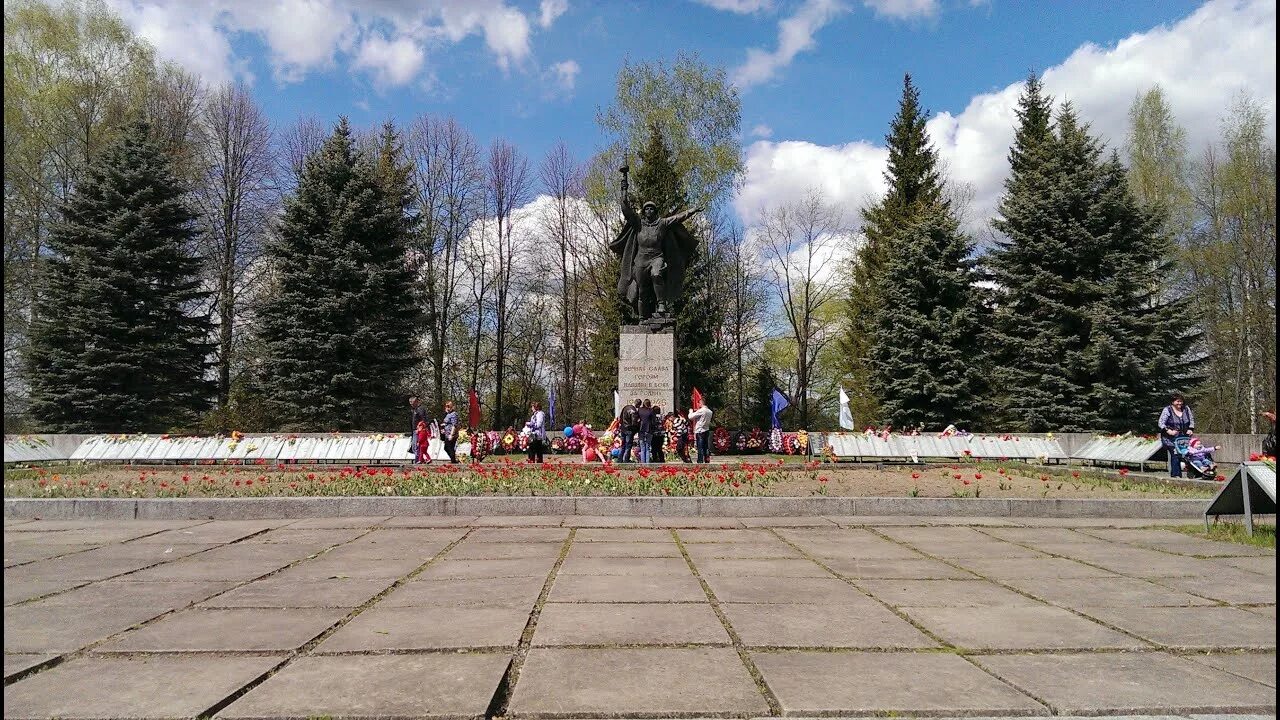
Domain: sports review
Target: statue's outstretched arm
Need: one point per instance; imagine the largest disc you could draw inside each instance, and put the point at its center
(682, 216)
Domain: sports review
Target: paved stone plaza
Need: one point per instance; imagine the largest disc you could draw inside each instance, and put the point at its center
(632, 617)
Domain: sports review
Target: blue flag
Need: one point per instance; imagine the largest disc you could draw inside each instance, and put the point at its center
(551, 408)
(779, 403)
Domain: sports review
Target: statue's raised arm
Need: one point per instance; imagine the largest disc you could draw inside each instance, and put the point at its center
(629, 213)
(682, 216)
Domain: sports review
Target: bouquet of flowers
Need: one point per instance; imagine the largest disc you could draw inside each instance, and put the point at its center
(508, 441)
(573, 444)
(775, 441)
(802, 441)
(557, 444)
(740, 441)
(480, 445)
(756, 440)
(789, 443)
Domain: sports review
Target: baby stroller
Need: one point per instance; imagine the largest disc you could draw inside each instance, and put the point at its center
(1195, 465)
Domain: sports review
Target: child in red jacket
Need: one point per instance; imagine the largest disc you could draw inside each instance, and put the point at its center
(424, 441)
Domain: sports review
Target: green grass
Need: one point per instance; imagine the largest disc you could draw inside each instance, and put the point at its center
(1264, 536)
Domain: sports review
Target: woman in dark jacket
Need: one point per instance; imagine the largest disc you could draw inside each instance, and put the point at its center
(1176, 421)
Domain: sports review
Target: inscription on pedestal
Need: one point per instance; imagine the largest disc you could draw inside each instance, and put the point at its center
(647, 366)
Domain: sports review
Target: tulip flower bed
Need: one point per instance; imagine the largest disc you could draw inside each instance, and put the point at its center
(509, 477)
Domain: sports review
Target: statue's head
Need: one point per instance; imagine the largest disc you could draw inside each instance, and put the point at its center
(649, 210)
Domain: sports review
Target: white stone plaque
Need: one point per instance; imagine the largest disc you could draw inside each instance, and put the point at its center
(647, 367)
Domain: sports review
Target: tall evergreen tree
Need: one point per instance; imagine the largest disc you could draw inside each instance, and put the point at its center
(338, 329)
(1085, 337)
(1033, 266)
(118, 344)
(701, 359)
(928, 362)
(914, 183)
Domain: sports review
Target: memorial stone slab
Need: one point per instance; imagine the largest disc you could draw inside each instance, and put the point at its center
(647, 366)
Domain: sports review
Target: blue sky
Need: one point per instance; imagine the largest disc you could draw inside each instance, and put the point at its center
(820, 79)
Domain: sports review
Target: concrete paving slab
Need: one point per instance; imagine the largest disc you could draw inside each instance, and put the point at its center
(510, 521)
(231, 562)
(132, 687)
(515, 592)
(420, 686)
(864, 625)
(324, 523)
(649, 681)
(428, 627)
(1258, 667)
(405, 539)
(1192, 627)
(205, 630)
(1106, 683)
(810, 590)
(19, 662)
(725, 536)
(626, 588)
(468, 550)
(859, 549)
(16, 591)
(1138, 562)
(110, 594)
(376, 554)
(1044, 536)
(752, 567)
(913, 569)
(64, 628)
(330, 566)
(19, 553)
(519, 535)
(1018, 628)
(704, 523)
(625, 549)
(1104, 592)
(317, 537)
(1240, 587)
(218, 532)
(882, 683)
(1006, 568)
(430, 521)
(741, 551)
(607, 521)
(1261, 565)
(275, 592)
(622, 535)
(624, 566)
(1263, 610)
(487, 568)
(944, 593)
(628, 624)
(104, 562)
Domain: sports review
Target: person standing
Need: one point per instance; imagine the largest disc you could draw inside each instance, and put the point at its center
(1269, 442)
(537, 432)
(701, 419)
(417, 414)
(423, 441)
(449, 432)
(658, 437)
(629, 423)
(680, 427)
(645, 437)
(1176, 420)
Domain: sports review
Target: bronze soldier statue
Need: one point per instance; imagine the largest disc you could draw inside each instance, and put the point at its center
(655, 251)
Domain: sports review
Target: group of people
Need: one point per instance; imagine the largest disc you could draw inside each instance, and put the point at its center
(1177, 434)
(644, 427)
(422, 425)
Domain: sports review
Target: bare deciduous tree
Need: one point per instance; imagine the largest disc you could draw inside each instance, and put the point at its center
(562, 181)
(797, 241)
(507, 187)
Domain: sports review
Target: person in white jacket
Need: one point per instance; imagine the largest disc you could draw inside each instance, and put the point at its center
(701, 419)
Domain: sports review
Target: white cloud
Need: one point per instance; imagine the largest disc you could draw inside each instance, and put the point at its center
(393, 62)
(903, 9)
(742, 7)
(549, 10)
(1201, 63)
(565, 74)
(762, 131)
(795, 35)
(304, 36)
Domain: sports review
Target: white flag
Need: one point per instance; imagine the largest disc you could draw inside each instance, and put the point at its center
(846, 417)
(617, 404)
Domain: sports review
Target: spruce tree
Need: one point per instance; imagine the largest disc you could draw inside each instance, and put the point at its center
(927, 360)
(914, 183)
(1036, 354)
(701, 359)
(338, 328)
(119, 344)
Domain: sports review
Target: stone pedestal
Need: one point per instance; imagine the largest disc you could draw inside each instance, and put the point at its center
(647, 366)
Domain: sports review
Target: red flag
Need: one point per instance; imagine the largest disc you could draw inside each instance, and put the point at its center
(473, 413)
(696, 399)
